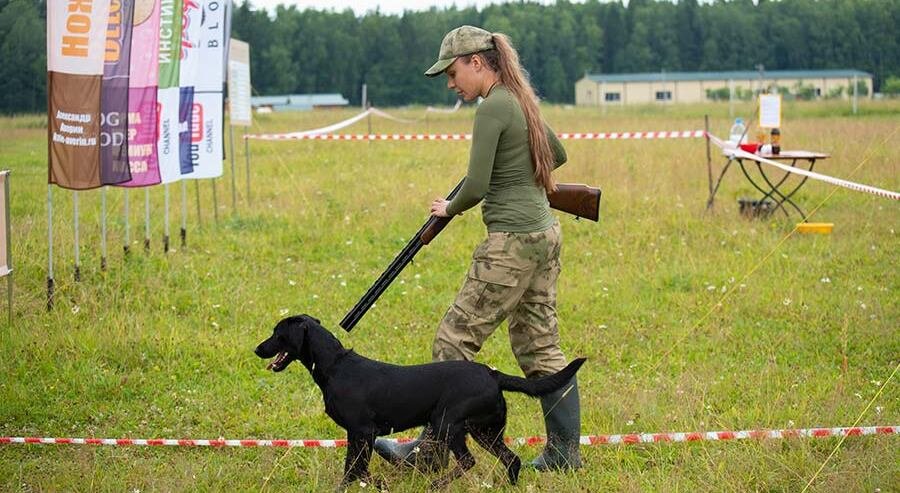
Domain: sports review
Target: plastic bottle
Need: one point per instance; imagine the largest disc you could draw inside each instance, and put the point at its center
(737, 135)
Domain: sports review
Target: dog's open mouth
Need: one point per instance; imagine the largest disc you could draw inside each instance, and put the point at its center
(279, 362)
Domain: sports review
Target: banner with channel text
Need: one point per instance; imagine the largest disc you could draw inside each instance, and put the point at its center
(189, 67)
(203, 67)
(142, 112)
(185, 113)
(114, 94)
(76, 40)
(169, 94)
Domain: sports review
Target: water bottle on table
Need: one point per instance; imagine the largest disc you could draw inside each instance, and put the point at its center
(737, 135)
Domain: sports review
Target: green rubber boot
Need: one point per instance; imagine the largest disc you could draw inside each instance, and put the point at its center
(423, 453)
(562, 417)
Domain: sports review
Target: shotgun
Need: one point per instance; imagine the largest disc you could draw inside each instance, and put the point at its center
(579, 200)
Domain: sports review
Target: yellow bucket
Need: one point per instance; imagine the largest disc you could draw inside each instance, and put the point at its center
(822, 228)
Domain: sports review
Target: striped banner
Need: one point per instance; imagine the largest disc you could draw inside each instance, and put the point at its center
(683, 134)
(626, 439)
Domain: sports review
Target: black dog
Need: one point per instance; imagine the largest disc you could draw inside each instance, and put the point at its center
(369, 398)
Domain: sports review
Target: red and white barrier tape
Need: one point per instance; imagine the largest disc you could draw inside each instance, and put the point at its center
(626, 439)
(859, 187)
(683, 134)
(432, 109)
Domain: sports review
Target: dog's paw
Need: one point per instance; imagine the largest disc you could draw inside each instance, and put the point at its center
(513, 470)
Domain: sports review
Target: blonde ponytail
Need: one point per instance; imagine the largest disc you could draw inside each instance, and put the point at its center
(505, 60)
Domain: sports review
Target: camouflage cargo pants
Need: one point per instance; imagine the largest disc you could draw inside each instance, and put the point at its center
(513, 275)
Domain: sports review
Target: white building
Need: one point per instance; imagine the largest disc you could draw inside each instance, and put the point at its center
(696, 87)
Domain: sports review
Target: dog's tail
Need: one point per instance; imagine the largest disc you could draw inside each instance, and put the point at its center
(536, 387)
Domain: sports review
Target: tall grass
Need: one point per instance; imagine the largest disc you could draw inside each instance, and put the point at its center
(691, 319)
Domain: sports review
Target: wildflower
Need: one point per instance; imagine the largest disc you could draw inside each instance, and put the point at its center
(283, 312)
(786, 302)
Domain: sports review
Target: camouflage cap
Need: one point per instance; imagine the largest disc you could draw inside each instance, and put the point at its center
(463, 40)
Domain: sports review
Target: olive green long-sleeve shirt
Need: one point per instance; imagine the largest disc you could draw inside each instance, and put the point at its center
(500, 169)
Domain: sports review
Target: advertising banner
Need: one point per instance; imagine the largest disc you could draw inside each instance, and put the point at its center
(169, 94)
(143, 121)
(202, 67)
(114, 94)
(76, 45)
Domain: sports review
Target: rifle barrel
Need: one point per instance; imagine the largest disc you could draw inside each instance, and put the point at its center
(362, 306)
(393, 270)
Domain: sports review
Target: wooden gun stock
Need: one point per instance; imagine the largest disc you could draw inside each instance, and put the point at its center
(576, 199)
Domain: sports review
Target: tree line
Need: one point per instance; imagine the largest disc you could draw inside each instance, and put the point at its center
(316, 51)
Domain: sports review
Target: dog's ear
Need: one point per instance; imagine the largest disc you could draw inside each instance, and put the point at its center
(293, 331)
(314, 319)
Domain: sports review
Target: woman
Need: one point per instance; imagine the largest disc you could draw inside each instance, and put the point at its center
(514, 271)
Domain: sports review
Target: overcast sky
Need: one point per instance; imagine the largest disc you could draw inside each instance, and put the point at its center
(363, 6)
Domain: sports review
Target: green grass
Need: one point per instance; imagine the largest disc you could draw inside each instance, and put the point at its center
(691, 320)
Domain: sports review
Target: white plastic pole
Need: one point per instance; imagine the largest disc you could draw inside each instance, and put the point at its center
(166, 220)
(9, 263)
(147, 219)
(77, 252)
(731, 98)
(103, 229)
(49, 247)
(183, 213)
(247, 160)
(233, 177)
(127, 244)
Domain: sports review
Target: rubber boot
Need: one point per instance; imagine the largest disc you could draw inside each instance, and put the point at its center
(423, 453)
(562, 417)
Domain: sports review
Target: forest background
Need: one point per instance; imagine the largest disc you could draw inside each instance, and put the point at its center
(314, 51)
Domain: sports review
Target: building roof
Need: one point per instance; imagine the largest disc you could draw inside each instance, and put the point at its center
(299, 100)
(735, 75)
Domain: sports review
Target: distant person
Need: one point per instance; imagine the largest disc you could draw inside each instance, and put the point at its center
(514, 271)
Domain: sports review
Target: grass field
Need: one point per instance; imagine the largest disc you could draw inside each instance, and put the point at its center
(691, 320)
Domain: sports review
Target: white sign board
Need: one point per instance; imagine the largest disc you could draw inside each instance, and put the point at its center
(769, 110)
(239, 83)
